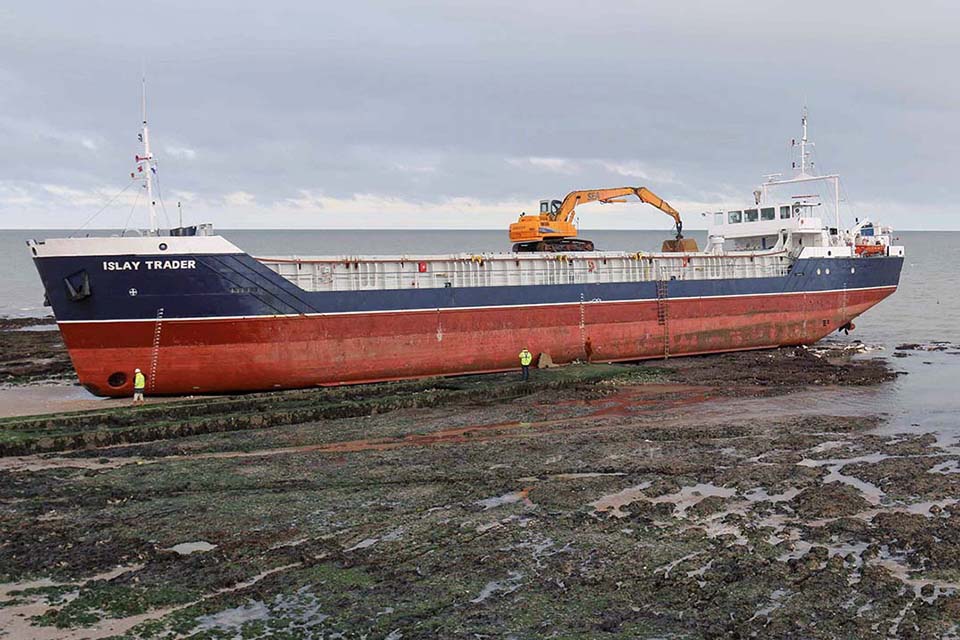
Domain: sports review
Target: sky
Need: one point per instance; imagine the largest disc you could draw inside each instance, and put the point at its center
(411, 114)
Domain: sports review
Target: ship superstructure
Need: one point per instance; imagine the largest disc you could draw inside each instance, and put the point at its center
(199, 315)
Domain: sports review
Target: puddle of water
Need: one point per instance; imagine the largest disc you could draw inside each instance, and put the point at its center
(702, 571)
(613, 503)
(6, 590)
(716, 528)
(670, 566)
(509, 585)
(923, 508)
(301, 608)
(508, 498)
(828, 445)
(366, 543)
(233, 618)
(901, 571)
(872, 458)
(690, 496)
(682, 500)
(917, 508)
(776, 601)
(577, 476)
(288, 543)
(801, 547)
(186, 548)
(871, 492)
(760, 495)
(15, 620)
(945, 468)
(36, 327)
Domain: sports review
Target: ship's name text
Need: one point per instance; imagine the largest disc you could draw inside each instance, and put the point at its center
(148, 265)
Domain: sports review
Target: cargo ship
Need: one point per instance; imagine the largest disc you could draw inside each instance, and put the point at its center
(199, 315)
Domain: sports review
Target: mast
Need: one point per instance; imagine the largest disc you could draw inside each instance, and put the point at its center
(803, 143)
(147, 159)
(803, 176)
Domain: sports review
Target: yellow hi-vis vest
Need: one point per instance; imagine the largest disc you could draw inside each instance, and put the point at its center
(139, 382)
(526, 357)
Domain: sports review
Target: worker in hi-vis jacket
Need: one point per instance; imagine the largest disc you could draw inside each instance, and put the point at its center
(525, 359)
(139, 384)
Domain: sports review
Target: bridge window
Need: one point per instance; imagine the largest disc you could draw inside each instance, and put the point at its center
(768, 214)
(784, 213)
(750, 215)
(735, 217)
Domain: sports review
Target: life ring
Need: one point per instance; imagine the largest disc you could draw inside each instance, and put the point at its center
(591, 266)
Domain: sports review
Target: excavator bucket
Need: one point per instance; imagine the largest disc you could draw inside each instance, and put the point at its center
(680, 245)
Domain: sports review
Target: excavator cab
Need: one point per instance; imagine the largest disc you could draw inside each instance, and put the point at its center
(550, 207)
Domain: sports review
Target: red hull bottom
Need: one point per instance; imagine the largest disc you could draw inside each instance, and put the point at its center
(289, 352)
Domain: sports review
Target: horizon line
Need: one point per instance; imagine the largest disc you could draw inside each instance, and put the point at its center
(499, 230)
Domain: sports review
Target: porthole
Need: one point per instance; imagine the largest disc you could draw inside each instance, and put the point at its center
(818, 271)
(853, 269)
(828, 271)
(163, 246)
(117, 379)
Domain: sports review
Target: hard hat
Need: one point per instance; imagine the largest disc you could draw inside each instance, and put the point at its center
(136, 370)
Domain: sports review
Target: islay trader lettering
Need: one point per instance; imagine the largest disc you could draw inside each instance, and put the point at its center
(147, 265)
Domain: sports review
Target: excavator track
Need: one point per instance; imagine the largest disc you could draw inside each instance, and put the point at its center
(554, 245)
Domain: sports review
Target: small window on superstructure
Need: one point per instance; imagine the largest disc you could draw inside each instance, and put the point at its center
(735, 217)
(768, 213)
(784, 212)
(750, 215)
(718, 219)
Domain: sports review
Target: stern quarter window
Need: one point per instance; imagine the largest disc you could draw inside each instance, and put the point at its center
(784, 213)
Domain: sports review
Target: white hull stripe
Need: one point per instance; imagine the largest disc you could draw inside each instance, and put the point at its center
(442, 309)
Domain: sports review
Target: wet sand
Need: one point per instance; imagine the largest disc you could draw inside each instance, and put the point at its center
(30, 400)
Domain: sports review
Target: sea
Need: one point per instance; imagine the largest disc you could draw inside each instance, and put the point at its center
(925, 310)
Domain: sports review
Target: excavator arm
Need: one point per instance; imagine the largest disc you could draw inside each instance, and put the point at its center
(567, 209)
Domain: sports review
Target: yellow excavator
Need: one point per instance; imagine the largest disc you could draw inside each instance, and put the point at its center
(553, 228)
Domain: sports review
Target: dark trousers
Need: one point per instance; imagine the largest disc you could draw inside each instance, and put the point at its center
(526, 371)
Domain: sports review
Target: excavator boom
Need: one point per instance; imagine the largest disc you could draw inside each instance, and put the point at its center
(556, 227)
(568, 208)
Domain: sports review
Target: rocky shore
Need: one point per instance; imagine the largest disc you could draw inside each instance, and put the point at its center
(713, 497)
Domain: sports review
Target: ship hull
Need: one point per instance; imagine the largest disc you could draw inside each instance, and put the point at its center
(199, 316)
(212, 355)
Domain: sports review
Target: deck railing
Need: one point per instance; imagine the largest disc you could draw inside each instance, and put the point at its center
(402, 272)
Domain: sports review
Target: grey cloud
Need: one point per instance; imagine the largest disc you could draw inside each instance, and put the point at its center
(425, 102)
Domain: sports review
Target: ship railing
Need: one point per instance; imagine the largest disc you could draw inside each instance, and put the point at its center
(484, 271)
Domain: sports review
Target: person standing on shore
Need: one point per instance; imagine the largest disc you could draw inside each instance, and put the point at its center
(525, 359)
(139, 384)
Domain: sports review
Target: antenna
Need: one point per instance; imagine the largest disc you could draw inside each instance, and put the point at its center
(147, 160)
(180, 211)
(804, 143)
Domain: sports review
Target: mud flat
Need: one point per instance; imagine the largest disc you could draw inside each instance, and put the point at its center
(598, 501)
